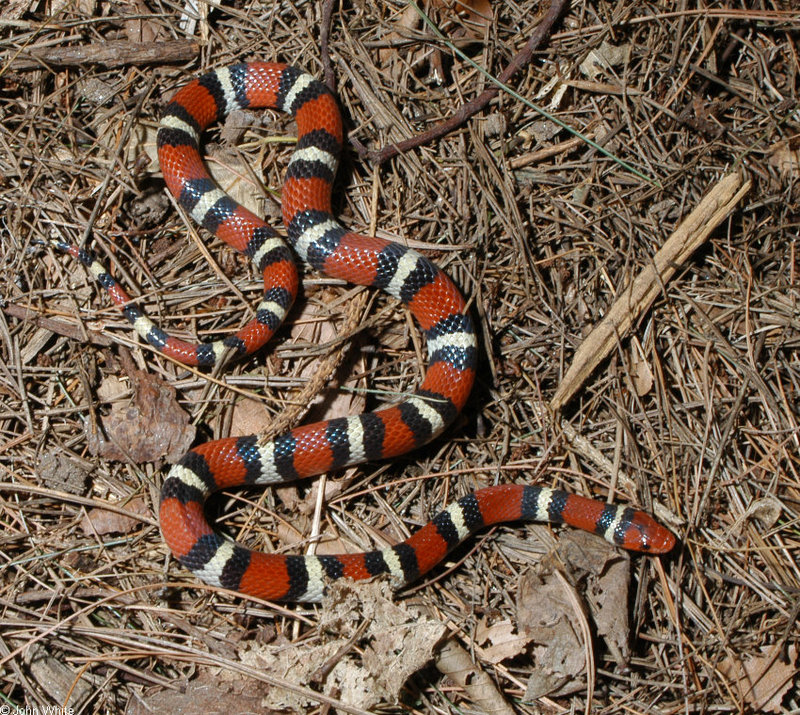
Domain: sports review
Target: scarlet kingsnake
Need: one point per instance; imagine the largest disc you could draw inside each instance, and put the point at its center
(325, 245)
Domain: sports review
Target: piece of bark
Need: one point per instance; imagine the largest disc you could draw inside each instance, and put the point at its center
(644, 288)
(116, 53)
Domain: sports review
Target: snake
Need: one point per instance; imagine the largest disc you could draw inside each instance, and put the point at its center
(323, 244)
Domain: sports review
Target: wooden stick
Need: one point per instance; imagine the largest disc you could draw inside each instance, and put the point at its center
(640, 294)
(117, 53)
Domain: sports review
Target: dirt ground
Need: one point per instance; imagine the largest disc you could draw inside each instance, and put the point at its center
(623, 218)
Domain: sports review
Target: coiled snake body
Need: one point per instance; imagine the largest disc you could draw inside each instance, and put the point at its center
(325, 245)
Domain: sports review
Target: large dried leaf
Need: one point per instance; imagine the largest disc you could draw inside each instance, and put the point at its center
(762, 681)
(150, 427)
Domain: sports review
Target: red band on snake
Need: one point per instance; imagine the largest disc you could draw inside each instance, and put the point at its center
(325, 245)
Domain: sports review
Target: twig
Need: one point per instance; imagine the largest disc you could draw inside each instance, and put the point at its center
(59, 327)
(116, 53)
(324, 46)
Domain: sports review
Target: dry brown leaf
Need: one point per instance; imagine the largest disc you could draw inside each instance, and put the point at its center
(249, 416)
(398, 640)
(104, 521)
(547, 616)
(499, 641)
(206, 694)
(151, 427)
(766, 511)
(323, 368)
(786, 159)
(408, 19)
(456, 663)
(470, 17)
(762, 681)
(366, 648)
(82, 7)
(605, 57)
(605, 571)
(111, 388)
(140, 25)
(545, 613)
(475, 14)
(234, 173)
(291, 533)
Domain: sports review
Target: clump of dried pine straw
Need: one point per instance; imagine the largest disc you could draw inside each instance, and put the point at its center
(692, 415)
